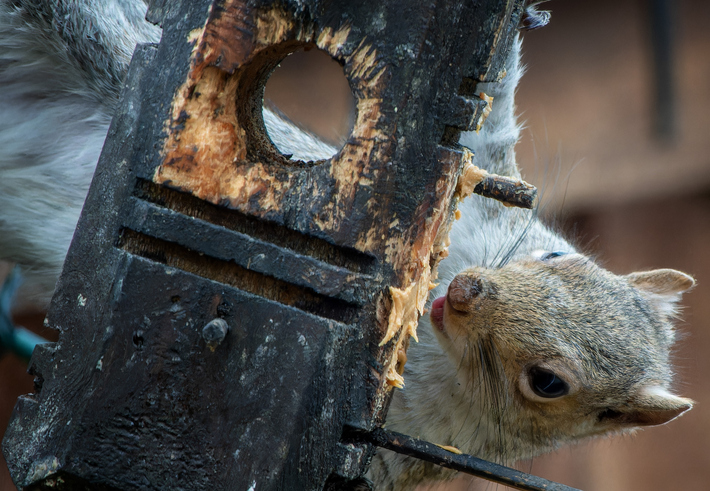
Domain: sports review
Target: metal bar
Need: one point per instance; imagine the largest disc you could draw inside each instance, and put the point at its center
(662, 34)
(463, 463)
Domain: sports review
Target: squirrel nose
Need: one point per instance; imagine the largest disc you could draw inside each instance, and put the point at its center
(463, 292)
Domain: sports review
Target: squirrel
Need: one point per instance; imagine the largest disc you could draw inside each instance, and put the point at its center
(529, 344)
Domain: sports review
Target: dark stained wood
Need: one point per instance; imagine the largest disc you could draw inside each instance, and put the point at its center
(319, 269)
(511, 192)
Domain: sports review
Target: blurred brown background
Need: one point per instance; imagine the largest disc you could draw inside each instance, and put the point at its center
(629, 182)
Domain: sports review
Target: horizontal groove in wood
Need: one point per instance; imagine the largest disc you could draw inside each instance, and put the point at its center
(322, 250)
(230, 273)
(250, 253)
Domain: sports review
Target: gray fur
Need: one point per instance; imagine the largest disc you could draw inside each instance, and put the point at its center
(61, 69)
(290, 139)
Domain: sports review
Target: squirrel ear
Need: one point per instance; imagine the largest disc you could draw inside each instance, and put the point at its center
(656, 406)
(661, 281)
(651, 407)
(662, 286)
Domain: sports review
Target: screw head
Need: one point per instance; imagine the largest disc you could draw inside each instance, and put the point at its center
(214, 332)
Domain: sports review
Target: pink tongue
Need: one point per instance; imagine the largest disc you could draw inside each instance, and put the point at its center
(437, 312)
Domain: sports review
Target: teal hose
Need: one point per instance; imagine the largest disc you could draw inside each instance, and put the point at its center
(14, 339)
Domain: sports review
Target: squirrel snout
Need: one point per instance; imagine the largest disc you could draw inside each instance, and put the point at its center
(463, 292)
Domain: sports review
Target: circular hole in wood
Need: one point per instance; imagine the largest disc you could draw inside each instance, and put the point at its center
(308, 108)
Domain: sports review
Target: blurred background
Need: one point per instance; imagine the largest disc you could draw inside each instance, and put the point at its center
(616, 107)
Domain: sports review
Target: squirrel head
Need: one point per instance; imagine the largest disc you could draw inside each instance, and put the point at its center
(562, 348)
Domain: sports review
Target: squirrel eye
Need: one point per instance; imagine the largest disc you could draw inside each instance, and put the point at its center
(545, 383)
(550, 255)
